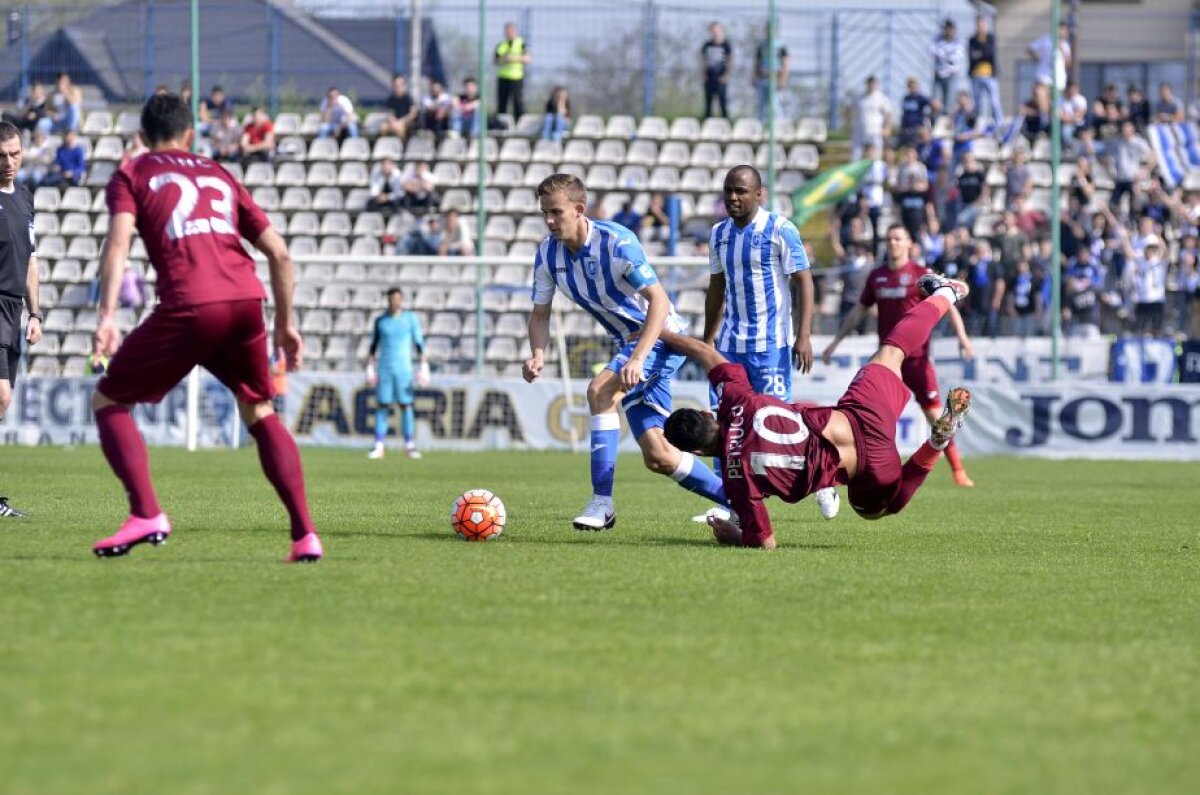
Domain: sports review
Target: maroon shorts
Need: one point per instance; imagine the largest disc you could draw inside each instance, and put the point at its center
(873, 404)
(919, 376)
(228, 339)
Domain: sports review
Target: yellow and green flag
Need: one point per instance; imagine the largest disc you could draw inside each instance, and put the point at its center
(826, 188)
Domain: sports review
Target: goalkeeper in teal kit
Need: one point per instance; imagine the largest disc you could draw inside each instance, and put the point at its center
(390, 369)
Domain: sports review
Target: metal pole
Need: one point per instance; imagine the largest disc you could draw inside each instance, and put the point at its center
(414, 46)
(398, 59)
(649, 45)
(772, 93)
(834, 121)
(148, 54)
(25, 51)
(481, 183)
(195, 58)
(1055, 198)
(193, 381)
(272, 58)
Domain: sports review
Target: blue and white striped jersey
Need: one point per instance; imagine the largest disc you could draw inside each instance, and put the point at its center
(603, 278)
(757, 262)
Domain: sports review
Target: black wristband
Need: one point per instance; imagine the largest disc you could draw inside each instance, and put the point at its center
(35, 316)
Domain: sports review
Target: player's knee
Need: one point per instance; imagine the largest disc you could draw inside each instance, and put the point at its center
(600, 396)
(99, 401)
(253, 412)
(5, 402)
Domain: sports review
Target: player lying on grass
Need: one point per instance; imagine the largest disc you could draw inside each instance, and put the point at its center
(773, 448)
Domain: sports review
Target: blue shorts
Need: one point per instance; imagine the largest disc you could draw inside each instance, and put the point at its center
(394, 387)
(648, 404)
(770, 373)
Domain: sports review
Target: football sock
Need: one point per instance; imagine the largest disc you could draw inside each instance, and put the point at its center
(913, 474)
(126, 454)
(606, 431)
(953, 457)
(913, 330)
(381, 423)
(697, 478)
(407, 423)
(281, 464)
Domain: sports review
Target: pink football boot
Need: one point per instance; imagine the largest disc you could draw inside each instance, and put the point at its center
(306, 550)
(134, 531)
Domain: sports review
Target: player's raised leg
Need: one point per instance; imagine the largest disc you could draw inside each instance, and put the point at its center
(918, 467)
(927, 285)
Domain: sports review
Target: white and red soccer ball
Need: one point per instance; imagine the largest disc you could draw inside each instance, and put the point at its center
(478, 515)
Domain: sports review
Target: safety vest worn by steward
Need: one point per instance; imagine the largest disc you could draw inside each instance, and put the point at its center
(516, 69)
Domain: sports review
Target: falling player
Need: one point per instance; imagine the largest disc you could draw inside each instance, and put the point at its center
(397, 332)
(756, 259)
(893, 287)
(601, 267)
(773, 448)
(192, 216)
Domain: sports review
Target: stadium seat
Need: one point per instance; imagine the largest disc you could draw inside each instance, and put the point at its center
(99, 174)
(367, 297)
(355, 149)
(389, 147)
(588, 126)
(676, 153)
(705, 153)
(413, 273)
(641, 153)
(508, 175)
(664, 179)
(353, 174)
(83, 247)
(368, 224)
(334, 296)
(310, 124)
(546, 152)
(452, 149)
(328, 198)
(633, 178)
(61, 319)
(349, 321)
(108, 147)
(76, 199)
(621, 127)
(516, 150)
(98, 122)
(985, 149)
(812, 129)
(266, 197)
(317, 321)
(138, 249)
(695, 179)
(1041, 149)
(46, 200)
(535, 173)
(373, 121)
(529, 125)
(715, 128)
(804, 157)
(259, 174)
(429, 298)
(601, 177)
(400, 224)
(500, 227)
(334, 246)
(577, 151)
(365, 247)
(290, 174)
(787, 182)
(612, 202)
(127, 123)
(574, 169)
(470, 323)
(531, 228)
(511, 275)
(48, 295)
(747, 129)
(685, 128)
(460, 299)
(579, 324)
(419, 147)
(44, 224)
(338, 349)
(511, 324)
(295, 199)
(73, 296)
(445, 272)
(470, 174)
(491, 150)
(45, 365)
(521, 201)
(303, 245)
(764, 149)
(356, 199)
(67, 270)
(653, 128)
(322, 173)
(446, 174)
(501, 349)
(291, 147)
(305, 295)
(458, 199)
(439, 349)
(609, 151)
(736, 154)
(1040, 174)
(995, 176)
(336, 223)
(303, 223)
(446, 324)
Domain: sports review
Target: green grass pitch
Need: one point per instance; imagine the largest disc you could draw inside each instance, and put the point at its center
(1038, 634)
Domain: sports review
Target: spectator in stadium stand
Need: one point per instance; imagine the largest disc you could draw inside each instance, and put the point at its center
(338, 119)
(915, 110)
(386, 186)
(1072, 112)
(1023, 299)
(468, 108)
(873, 186)
(1139, 108)
(873, 119)
(716, 65)
(983, 272)
(402, 110)
(972, 191)
(932, 152)
(1145, 280)
(258, 138)
(557, 118)
(909, 193)
(656, 224)
(1082, 285)
(65, 105)
(510, 58)
(853, 273)
(1082, 186)
(629, 218)
(981, 65)
(1010, 243)
(437, 108)
(212, 108)
(70, 162)
(419, 190)
(964, 129)
(225, 136)
(1131, 159)
(29, 115)
(456, 238)
(1032, 222)
(1036, 113)
(18, 275)
(1108, 112)
(1168, 109)
(1188, 278)
(762, 73)
(848, 224)
(35, 165)
(1041, 50)
(1017, 180)
(947, 54)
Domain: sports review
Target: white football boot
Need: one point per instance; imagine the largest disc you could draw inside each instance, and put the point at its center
(596, 515)
(377, 451)
(828, 502)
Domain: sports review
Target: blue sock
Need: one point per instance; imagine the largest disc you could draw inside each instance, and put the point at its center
(381, 423)
(407, 423)
(694, 476)
(606, 432)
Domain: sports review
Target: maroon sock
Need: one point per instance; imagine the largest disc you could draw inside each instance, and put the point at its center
(913, 330)
(281, 464)
(913, 474)
(126, 454)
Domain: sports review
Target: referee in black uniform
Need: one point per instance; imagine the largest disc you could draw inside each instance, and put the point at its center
(18, 272)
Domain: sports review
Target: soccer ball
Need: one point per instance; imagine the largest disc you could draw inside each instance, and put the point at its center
(478, 515)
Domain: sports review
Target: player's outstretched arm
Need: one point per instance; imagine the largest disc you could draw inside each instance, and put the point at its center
(539, 340)
(112, 269)
(283, 281)
(960, 330)
(699, 351)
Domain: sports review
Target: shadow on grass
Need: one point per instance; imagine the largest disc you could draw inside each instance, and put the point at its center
(608, 539)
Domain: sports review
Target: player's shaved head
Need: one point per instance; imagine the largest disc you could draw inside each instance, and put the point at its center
(165, 117)
(742, 193)
(569, 185)
(746, 172)
(693, 431)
